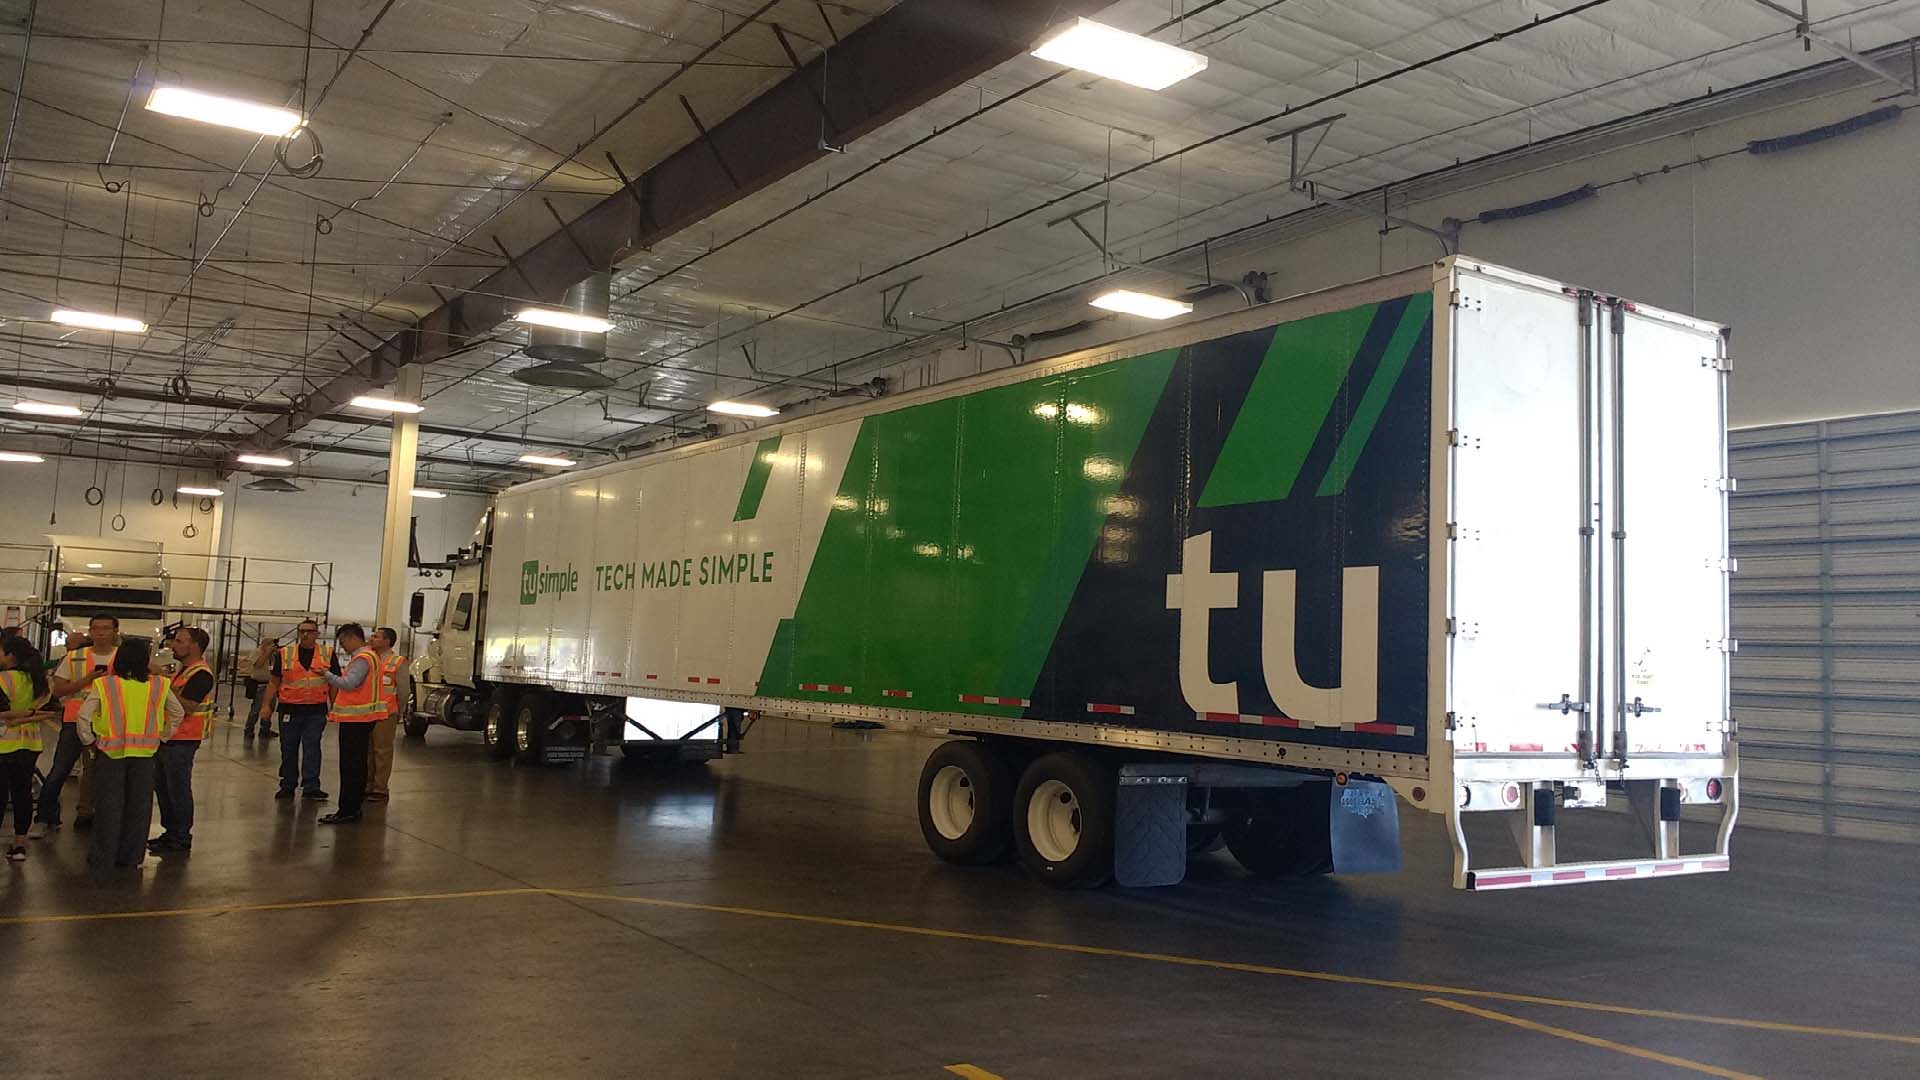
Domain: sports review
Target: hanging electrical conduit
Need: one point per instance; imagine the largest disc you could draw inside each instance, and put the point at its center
(1776, 145)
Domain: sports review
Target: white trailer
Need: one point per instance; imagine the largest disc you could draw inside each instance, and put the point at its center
(1456, 534)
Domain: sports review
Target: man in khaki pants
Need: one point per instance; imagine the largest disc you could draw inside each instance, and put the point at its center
(392, 690)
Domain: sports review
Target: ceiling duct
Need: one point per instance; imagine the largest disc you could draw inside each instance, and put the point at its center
(563, 375)
(274, 484)
(588, 298)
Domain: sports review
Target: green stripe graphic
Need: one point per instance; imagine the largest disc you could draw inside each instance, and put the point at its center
(1413, 322)
(756, 485)
(1286, 406)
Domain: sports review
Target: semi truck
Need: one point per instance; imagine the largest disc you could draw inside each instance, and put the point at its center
(1453, 539)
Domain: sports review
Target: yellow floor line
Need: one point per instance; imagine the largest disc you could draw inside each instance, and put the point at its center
(972, 1072)
(1255, 969)
(999, 939)
(1591, 1040)
(284, 905)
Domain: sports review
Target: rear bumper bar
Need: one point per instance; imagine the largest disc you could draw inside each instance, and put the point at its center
(1521, 877)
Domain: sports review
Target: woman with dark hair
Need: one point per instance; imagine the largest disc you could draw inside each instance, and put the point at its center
(23, 685)
(127, 714)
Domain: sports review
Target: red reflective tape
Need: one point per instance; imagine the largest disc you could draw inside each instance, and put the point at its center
(1279, 721)
(1569, 875)
(1509, 879)
(653, 676)
(1525, 748)
(1377, 729)
(693, 678)
(1109, 710)
(1669, 867)
(896, 693)
(1623, 871)
(989, 699)
(712, 681)
(1221, 717)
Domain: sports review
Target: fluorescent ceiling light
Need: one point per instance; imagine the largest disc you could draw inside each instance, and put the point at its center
(556, 462)
(1115, 54)
(1145, 305)
(428, 493)
(188, 489)
(41, 408)
(24, 459)
(224, 111)
(265, 459)
(93, 320)
(381, 404)
(741, 408)
(563, 320)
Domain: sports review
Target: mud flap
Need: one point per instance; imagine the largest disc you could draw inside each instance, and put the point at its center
(1364, 825)
(1150, 832)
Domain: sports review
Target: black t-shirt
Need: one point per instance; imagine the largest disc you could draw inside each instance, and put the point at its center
(306, 661)
(198, 688)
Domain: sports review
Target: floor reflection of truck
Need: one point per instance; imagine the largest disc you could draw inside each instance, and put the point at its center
(1454, 538)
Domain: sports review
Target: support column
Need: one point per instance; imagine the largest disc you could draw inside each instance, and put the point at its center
(390, 603)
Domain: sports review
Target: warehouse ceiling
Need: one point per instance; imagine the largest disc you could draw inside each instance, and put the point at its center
(456, 132)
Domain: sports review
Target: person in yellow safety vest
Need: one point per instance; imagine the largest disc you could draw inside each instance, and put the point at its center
(126, 715)
(356, 709)
(23, 681)
(297, 685)
(173, 765)
(392, 678)
(88, 658)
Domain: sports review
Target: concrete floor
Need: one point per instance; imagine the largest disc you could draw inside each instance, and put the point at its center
(767, 916)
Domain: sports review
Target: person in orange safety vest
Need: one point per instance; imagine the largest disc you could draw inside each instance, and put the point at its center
(357, 708)
(173, 765)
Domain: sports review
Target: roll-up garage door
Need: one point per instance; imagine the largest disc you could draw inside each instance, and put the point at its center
(1826, 607)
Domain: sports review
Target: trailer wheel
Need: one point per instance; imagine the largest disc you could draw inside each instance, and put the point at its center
(530, 728)
(416, 726)
(497, 732)
(1063, 820)
(966, 801)
(1282, 832)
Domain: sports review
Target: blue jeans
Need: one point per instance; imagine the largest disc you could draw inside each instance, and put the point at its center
(173, 787)
(300, 748)
(66, 754)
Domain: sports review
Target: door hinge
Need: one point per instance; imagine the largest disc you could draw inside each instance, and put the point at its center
(1457, 531)
(1725, 564)
(1727, 484)
(1456, 437)
(1461, 628)
(1717, 363)
(1727, 645)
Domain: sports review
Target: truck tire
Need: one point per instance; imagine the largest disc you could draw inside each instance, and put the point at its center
(1063, 820)
(497, 730)
(966, 803)
(1282, 832)
(416, 726)
(530, 727)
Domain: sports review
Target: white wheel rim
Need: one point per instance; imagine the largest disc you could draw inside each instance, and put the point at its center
(523, 733)
(950, 802)
(493, 725)
(1053, 821)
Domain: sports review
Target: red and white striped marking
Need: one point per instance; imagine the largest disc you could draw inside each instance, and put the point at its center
(1515, 748)
(1485, 880)
(896, 693)
(990, 699)
(825, 688)
(699, 679)
(1259, 720)
(1109, 710)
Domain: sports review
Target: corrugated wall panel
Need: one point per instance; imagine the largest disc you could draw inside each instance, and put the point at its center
(1826, 605)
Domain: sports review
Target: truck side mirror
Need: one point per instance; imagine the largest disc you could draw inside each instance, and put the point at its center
(416, 609)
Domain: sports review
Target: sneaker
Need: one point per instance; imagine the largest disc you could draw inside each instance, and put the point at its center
(38, 831)
(339, 819)
(16, 851)
(167, 845)
(284, 793)
(316, 794)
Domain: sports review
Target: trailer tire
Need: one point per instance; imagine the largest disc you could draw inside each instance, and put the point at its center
(530, 723)
(1063, 820)
(966, 803)
(497, 729)
(1282, 832)
(416, 726)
